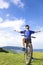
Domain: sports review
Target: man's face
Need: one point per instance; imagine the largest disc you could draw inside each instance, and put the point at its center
(26, 28)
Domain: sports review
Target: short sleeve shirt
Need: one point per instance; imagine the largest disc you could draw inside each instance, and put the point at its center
(27, 33)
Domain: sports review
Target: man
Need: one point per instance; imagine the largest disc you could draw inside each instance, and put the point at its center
(27, 36)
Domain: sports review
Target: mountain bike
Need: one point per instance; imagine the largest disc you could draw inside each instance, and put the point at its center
(28, 52)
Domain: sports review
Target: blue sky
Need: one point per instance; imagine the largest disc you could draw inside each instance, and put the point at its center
(15, 14)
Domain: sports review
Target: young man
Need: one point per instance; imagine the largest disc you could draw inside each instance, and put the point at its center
(27, 36)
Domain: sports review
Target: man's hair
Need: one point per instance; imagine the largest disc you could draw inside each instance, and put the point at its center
(27, 26)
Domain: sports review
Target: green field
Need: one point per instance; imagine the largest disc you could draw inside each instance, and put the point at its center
(18, 59)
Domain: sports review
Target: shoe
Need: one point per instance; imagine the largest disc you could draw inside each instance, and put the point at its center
(23, 49)
(32, 59)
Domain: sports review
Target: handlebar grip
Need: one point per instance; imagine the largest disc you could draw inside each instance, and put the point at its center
(33, 37)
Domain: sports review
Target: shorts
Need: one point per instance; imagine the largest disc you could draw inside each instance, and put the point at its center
(26, 40)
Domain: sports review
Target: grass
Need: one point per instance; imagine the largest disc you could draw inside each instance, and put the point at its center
(18, 59)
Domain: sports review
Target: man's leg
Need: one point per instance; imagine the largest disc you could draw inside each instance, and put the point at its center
(23, 42)
(31, 49)
(32, 52)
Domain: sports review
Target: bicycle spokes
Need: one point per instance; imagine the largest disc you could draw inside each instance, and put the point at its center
(27, 55)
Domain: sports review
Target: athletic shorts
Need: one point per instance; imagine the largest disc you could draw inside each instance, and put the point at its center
(26, 40)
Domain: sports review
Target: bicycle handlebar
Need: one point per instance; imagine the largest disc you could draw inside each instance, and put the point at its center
(33, 37)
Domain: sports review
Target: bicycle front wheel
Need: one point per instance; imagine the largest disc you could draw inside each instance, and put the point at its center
(28, 55)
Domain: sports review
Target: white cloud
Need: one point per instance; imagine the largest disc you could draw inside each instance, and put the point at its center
(10, 39)
(1, 19)
(16, 24)
(38, 41)
(3, 4)
(18, 3)
(7, 32)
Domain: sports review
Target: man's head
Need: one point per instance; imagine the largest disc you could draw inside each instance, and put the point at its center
(27, 27)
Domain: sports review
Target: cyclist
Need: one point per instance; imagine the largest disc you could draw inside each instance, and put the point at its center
(27, 36)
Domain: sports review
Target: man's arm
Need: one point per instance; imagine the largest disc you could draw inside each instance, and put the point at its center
(22, 32)
(37, 31)
(17, 31)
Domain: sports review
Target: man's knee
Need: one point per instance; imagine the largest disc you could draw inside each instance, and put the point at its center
(23, 40)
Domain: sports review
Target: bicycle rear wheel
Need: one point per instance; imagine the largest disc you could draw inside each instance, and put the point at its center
(28, 55)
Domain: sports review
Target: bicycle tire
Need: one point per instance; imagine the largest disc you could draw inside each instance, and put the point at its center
(28, 55)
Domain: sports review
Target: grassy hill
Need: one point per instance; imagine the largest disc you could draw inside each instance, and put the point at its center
(18, 59)
(3, 50)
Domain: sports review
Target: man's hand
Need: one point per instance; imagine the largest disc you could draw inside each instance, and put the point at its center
(17, 31)
(37, 31)
(14, 30)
